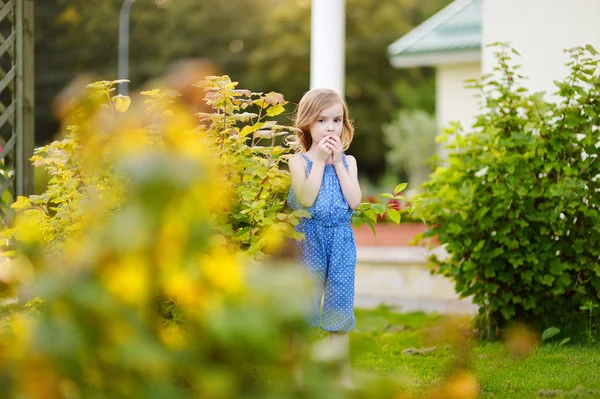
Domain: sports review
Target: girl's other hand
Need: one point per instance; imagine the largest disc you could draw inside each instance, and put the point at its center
(323, 150)
(334, 143)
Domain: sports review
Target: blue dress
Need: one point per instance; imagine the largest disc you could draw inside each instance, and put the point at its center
(328, 253)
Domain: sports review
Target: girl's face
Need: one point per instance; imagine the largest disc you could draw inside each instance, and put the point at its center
(329, 122)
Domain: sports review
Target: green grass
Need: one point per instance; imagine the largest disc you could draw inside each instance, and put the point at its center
(381, 336)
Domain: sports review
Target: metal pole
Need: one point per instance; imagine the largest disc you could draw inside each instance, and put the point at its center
(25, 96)
(123, 71)
(327, 44)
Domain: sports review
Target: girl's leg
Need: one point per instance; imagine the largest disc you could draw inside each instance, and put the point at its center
(340, 344)
(338, 305)
(313, 258)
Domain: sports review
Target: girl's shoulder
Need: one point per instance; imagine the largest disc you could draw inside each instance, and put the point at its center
(298, 161)
(350, 159)
(301, 157)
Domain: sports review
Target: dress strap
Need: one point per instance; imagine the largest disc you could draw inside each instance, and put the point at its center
(344, 161)
(307, 159)
(308, 163)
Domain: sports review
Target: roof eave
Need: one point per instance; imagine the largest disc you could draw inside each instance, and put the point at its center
(429, 25)
(435, 58)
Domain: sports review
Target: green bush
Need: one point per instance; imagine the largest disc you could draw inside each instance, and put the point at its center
(516, 203)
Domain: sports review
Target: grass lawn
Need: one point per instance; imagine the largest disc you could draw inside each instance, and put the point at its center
(382, 337)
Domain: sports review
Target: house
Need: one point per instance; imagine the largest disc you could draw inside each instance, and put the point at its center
(455, 42)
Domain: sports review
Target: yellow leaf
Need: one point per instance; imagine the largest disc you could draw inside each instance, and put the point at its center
(274, 111)
(28, 229)
(21, 204)
(70, 16)
(122, 102)
(250, 129)
(151, 93)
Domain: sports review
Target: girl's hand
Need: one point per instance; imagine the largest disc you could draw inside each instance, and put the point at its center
(334, 143)
(323, 150)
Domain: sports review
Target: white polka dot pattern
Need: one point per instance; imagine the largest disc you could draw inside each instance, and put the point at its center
(328, 254)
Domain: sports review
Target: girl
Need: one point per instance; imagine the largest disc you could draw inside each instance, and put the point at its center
(325, 182)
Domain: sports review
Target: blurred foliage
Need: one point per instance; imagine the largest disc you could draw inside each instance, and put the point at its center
(134, 274)
(263, 43)
(252, 215)
(411, 138)
(516, 203)
(129, 292)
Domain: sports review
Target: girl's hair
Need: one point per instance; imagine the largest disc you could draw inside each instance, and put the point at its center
(310, 106)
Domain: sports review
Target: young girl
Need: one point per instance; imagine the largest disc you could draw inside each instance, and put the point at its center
(324, 181)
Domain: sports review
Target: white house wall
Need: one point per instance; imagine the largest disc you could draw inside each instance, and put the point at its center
(453, 101)
(540, 30)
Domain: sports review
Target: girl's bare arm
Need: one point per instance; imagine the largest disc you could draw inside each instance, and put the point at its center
(349, 181)
(306, 188)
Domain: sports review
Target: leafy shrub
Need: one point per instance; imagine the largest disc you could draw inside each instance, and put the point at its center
(134, 264)
(128, 226)
(516, 204)
(251, 170)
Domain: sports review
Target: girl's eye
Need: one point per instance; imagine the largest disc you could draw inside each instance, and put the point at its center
(320, 120)
(338, 120)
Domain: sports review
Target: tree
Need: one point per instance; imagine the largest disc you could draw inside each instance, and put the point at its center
(263, 43)
(411, 138)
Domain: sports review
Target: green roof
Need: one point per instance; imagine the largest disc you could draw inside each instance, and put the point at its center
(451, 35)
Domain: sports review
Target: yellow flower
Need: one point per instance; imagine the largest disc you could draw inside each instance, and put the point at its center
(128, 279)
(171, 335)
(184, 289)
(462, 385)
(27, 227)
(222, 270)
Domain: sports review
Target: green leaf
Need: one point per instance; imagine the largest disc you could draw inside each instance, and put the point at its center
(547, 279)
(591, 49)
(371, 226)
(364, 206)
(378, 208)
(508, 312)
(479, 246)
(370, 214)
(400, 187)
(549, 333)
(302, 213)
(387, 195)
(564, 341)
(557, 267)
(394, 215)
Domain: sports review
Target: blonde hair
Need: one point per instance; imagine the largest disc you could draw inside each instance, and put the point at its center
(310, 106)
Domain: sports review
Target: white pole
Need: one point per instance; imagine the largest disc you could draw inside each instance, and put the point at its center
(123, 66)
(327, 44)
